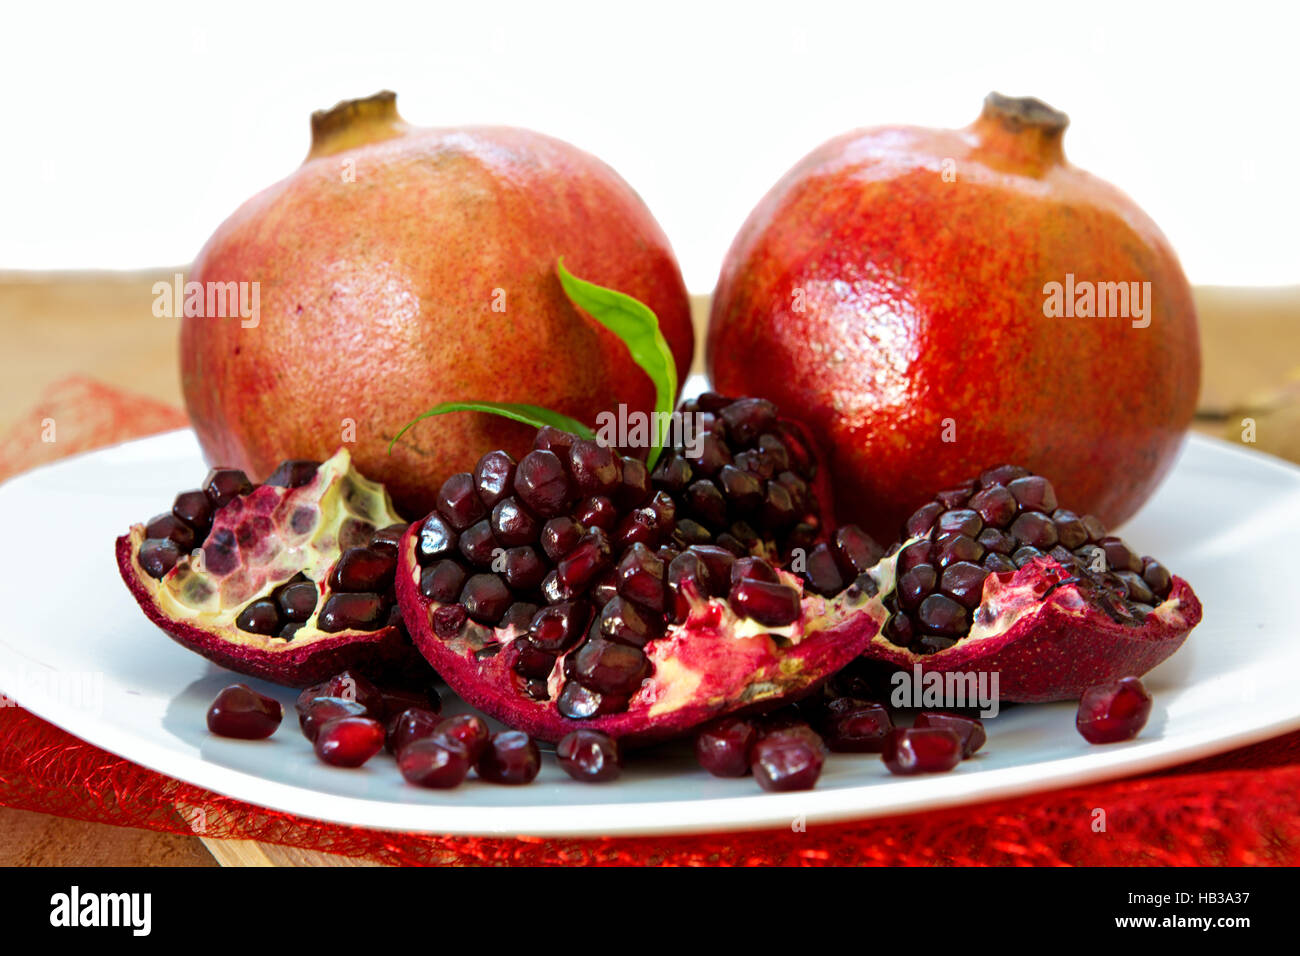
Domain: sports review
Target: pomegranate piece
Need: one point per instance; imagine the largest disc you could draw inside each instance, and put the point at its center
(349, 741)
(724, 748)
(1114, 711)
(788, 759)
(922, 750)
(589, 756)
(289, 581)
(243, 713)
(969, 730)
(438, 762)
(665, 601)
(509, 757)
(994, 576)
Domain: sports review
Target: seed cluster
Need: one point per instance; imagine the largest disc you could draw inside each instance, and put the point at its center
(581, 550)
(360, 585)
(997, 524)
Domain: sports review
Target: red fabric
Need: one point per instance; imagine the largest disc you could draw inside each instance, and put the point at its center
(1240, 808)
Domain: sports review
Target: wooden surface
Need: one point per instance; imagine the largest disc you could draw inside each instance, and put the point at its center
(102, 325)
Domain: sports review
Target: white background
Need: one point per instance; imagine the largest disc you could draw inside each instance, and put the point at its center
(129, 131)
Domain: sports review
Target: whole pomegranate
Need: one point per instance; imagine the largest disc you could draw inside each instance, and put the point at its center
(930, 302)
(401, 267)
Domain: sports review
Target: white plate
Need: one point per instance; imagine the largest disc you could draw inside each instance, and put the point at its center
(76, 650)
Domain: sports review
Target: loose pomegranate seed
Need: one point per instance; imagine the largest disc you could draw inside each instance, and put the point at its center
(351, 685)
(509, 757)
(321, 710)
(772, 605)
(856, 726)
(393, 701)
(724, 748)
(349, 741)
(243, 713)
(469, 730)
(969, 730)
(922, 750)
(589, 756)
(414, 723)
(438, 762)
(788, 759)
(1109, 713)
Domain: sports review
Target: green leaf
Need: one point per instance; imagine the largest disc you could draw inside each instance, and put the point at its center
(638, 327)
(528, 414)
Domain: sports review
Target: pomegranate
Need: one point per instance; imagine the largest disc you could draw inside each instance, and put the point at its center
(922, 750)
(994, 576)
(900, 291)
(1115, 711)
(241, 712)
(289, 581)
(392, 254)
(589, 756)
(572, 591)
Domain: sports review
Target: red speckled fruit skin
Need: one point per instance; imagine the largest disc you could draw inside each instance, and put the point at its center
(377, 294)
(385, 651)
(1060, 648)
(923, 304)
(490, 685)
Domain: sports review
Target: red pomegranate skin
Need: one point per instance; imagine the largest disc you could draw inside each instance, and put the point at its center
(922, 352)
(379, 263)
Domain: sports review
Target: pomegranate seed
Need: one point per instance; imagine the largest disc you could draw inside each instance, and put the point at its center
(321, 710)
(512, 524)
(753, 569)
(558, 627)
(724, 748)
(634, 486)
(361, 569)
(297, 601)
(1033, 492)
(442, 581)
(194, 508)
(609, 668)
(437, 539)
(595, 468)
(260, 617)
(922, 750)
(438, 762)
(640, 577)
(523, 570)
(485, 598)
(243, 713)
(622, 622)
(172, 527)
(414, 723)
(509, 757)
(996, 506)
(224, 485)
(494, 477)
(560, 536)
(589, 756)
(349, 741)
(598, 512)
(1109, 713)
(788, 759)
(360, 612)
(478, 544)
(458, 501)
(856, 726)
(294, 473)
(748, 418)
(585, 562)
(541, 483)
(554, 440)
(855, 550)
(969, 730)
(772, 605)
(469, 729)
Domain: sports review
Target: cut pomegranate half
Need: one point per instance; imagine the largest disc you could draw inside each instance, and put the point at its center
(994, 576)
(290, 581)
(582, 593)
